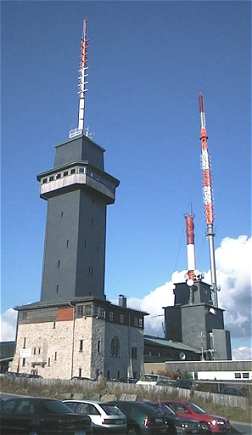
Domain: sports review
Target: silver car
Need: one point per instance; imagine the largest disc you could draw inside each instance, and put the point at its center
(105, 418)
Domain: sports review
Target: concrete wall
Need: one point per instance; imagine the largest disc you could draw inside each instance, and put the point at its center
(74, 256)
(79, 149)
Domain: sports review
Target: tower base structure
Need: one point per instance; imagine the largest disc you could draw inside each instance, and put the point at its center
(195, 322)
(81, 337)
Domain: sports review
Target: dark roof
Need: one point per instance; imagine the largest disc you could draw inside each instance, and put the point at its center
(74, 301)
(159, 341)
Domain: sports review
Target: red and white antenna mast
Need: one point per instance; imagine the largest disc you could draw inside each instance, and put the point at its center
(208, 196)
(190, 248)
(82, 83)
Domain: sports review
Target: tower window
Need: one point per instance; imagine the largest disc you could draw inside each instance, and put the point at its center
(72, 171)
(81, 346)
(134, 352)
(44, 180)
(140, 322)
(85, 243)
(34, 351)
(80, 371)
(65, 173)
(121, 318)
(58, 176)
(23, 362)
(58, 264)
(54, 325)
(57, 289)
(62, 214)
(115, 347)
(111, 316)
(51, 178)
(79, 311)
(55, 356)
(39, 350)
(24, 343)
(81, 170)
(49, 362)
(99, 346)
(67, 243)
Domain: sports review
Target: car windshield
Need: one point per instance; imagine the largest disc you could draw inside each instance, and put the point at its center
(55, 407)
(197, 409)
(167, 410)
(111, 410)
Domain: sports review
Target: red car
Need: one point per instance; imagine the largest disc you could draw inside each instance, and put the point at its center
(190, 410)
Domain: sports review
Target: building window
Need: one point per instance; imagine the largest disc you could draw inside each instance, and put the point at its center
(34, 351)
(23, 315)
(61, 214)
(58, 176)
(81, 346)
(24, 343)
(58, 264)
(23, 362)
(237, 375)
(101, 313)
(91, 270)
(99, 346)
(81, 170)
(80, 371)
(65, 173)
(49, 362)
(134, 352)
(57, 289)
(44, 180)
(55, 356)
(245, 375)
(87, 310)
(72, 171)
(111, 316)
(79, 311)
(115, 347)
(121, 318)
(54, 325)
(140, 322)
(67, 243)
(39, 350)
(51, 178)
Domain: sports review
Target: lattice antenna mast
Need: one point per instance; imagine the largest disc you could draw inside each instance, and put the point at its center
(82, 78)
(208, 196)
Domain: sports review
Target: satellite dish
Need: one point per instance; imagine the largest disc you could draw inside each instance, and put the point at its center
(189, 282)
(182, 356)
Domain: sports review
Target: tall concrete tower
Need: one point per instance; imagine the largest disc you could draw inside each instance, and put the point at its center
(77, 190)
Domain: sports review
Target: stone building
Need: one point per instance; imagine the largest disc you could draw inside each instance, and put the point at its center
(83, 337)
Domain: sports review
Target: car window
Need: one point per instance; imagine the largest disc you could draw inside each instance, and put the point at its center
(82, 408)
(197, 409)
(167, 410)
(8, 406)
(92, 410)
(24, 407)
(71, 405)
(111, 410)
(54, 407)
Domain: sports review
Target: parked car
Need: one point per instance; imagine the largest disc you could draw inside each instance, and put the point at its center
(104, 418)
(190, 410)
(178, 425)
(37, 416)
(183, 383)
(141, 418)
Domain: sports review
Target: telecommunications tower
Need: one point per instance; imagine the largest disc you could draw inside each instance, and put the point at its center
(208, 197)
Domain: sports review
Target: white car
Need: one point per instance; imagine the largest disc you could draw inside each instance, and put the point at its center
(103, 417)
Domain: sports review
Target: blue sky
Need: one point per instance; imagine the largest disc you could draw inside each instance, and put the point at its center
(147, 63)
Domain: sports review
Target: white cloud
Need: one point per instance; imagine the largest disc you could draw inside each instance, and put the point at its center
(8, 325)
(233, 258)
(241, 353)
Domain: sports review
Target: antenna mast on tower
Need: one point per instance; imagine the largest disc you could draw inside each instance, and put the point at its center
(82, 83)
(208, 197)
